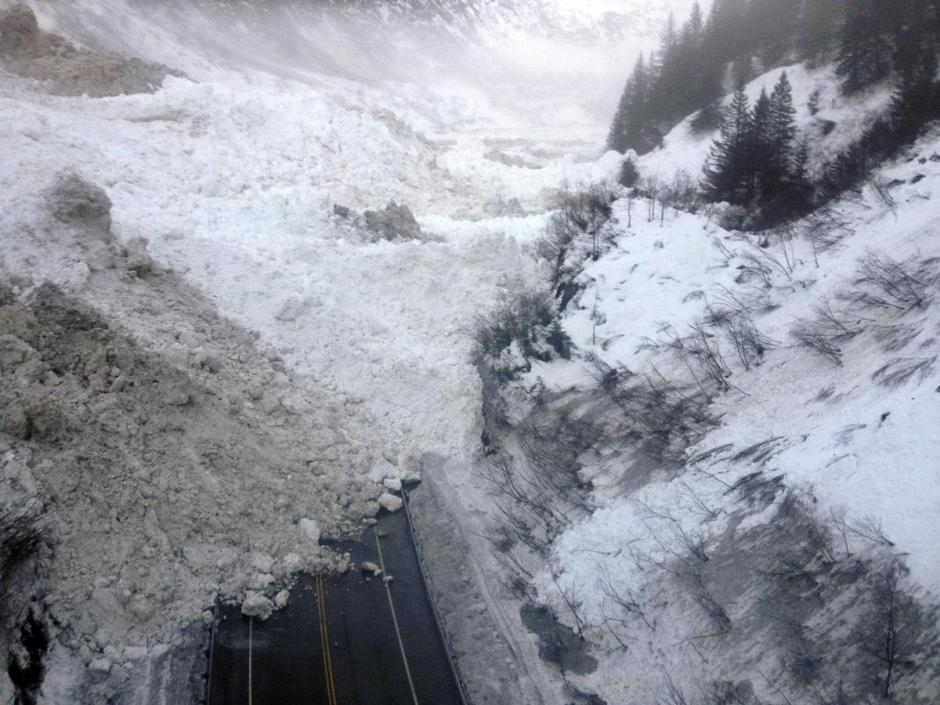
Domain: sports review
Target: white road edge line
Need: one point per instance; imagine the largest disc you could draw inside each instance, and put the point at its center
(251, 626)
(391, 606)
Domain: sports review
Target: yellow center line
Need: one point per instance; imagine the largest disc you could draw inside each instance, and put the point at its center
(325, 642)
(391, 606)
(251, 629)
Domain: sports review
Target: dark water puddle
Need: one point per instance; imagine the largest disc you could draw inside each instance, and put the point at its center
(558, 644)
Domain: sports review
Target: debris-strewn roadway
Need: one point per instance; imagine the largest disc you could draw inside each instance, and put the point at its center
(351, 640)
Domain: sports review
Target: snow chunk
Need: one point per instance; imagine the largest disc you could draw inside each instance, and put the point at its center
(369, 567)
(280, 600)
(390, 502)
(310, 528)
(292, 564)
(257, 605)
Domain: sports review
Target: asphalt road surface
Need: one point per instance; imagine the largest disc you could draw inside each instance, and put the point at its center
(351, 640)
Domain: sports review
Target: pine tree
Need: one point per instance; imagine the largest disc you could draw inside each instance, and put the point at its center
(761, 175)
(781, 132)
(728, 168)
(696, 24)
(631, 126)
(773, 25)
(818, 26)
(865, 54)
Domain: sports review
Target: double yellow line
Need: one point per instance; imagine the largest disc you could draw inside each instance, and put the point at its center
(325, 642)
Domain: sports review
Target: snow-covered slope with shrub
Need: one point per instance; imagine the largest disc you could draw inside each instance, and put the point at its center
(753, 483)
(829, 128)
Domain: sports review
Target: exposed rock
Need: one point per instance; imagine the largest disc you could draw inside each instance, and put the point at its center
(137, 258)
(394, 222)
(67, 70)
(74, 200)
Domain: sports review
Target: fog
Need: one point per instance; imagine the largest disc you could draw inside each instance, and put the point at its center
(545, 64)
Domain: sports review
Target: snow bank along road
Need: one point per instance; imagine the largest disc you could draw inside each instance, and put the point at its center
(356, 639)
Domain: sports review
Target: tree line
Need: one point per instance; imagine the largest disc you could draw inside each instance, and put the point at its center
(871, 40)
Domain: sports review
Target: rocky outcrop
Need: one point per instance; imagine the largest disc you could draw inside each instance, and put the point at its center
(29, 52)
(393, 222)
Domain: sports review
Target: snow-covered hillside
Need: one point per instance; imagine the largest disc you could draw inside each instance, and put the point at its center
(829, 127)
(734, 474)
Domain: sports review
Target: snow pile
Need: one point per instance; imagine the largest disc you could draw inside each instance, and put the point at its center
(232, 366)
(176, 457)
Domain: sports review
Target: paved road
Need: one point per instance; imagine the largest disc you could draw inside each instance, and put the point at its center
(351, 640)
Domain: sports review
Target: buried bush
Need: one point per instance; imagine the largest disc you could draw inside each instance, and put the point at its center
(522, 328)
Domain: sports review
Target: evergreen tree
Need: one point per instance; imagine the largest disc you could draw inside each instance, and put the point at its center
(728, 168)
(818, 26)
(631, 128)
(773, 25)
(781, 130)
(865, 54)
(760, 172)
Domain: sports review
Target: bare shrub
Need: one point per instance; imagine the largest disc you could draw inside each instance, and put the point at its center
(692, 543)
(826, 228)
(733, 314)
(867, 527)
(889, 636)
(577, 231)
(755, 270)
(881, 187)
(553, 448)
(700, 352)
(901, 370)
(885, 283)
(527, 510)
(628, 605)
(664, 418)
(681, 194)
(575, 606)
(827, 332)
(694, 583)
(674, 694)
